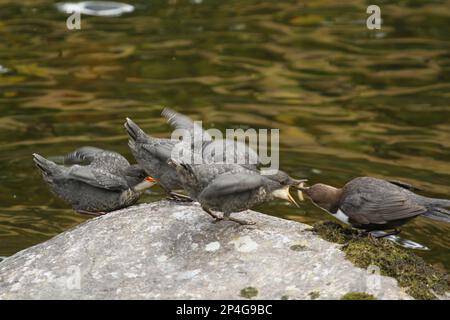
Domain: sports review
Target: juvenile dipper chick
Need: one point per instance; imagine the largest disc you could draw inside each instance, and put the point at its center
(213, 150)
(98, 181)
(375, 204)
(232, 188)
(152, 155)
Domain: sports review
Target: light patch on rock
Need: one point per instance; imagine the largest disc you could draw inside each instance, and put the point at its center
(130, 275)
(212, 246)
(179, 215)
(188, 274)
(162, 258)
(244, 244)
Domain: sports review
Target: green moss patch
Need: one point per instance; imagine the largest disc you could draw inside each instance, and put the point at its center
(298, 247)
(420, 279)
(314, 295)
(358, 296)
(249, 292)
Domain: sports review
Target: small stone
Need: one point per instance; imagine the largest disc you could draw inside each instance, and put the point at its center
(244, 244)
(212, 246)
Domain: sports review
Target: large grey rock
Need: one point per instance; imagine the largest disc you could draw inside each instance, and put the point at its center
(166, 250)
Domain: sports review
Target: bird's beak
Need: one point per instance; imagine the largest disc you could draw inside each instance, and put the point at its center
(285, 195)
(145, 184)
(299, 185)
(300, 188)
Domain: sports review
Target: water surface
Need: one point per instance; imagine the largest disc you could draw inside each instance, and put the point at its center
(348, 101)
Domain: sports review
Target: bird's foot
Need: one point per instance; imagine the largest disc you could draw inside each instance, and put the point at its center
(90, 213)
(179, 197)
(241, 222)
(213, 215)
(382, 234)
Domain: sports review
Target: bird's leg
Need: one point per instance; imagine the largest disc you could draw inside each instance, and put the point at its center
(215, 217)
(242, 222)
(90, 213)
(392, 233)
(179, 197)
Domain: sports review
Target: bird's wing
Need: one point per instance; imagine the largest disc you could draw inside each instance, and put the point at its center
(82, 155)
(180, 121)
(404, 185)
(97, 177)
(380, 208)
(161, 149)
(230, 151)
(227, 184)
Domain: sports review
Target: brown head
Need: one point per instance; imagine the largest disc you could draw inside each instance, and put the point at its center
(324, 196)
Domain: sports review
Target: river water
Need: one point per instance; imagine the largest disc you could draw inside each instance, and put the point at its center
(348, 101)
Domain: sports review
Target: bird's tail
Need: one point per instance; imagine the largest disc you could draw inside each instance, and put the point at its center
(438, 214)
(438, 210)
(133, 130)
(47, 167)
(81, 155)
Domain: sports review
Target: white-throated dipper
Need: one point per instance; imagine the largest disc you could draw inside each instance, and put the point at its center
(374, 204)
(94, 181)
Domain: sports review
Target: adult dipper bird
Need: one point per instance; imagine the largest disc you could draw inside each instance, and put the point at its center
(229, 188)
(97, 181)
(375, 204)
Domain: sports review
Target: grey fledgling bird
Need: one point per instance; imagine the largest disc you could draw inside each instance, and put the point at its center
(213, 150)
(374, 204)
(229, 188)
(152, 155)
(95, 181)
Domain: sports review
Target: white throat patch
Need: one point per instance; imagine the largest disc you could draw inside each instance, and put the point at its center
(341, 216)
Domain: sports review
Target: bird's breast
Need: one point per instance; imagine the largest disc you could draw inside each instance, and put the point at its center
(341, 216)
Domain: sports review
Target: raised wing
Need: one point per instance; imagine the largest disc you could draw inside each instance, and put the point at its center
(97, 177)
(82, 155)
(180, 121)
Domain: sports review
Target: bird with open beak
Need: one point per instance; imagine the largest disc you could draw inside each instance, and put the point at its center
(374, 204)
(95, 181)
(229, 188)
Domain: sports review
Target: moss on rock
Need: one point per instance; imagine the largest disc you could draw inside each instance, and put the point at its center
(249, 292)
(358, 296)
(420, 279)
(314, 295)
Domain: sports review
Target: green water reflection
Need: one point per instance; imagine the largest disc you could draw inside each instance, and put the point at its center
(348, 101)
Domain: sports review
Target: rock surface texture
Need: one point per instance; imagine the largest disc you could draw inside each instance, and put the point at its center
(167, 250)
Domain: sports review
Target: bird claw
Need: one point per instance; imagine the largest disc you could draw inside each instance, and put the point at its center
(90, 213)
(179, 197)
(241, 222)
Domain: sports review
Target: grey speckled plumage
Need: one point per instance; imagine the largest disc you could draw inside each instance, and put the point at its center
(229, 188)
(375, 204)
(97, 181)
(212, 150)
(152, 154)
